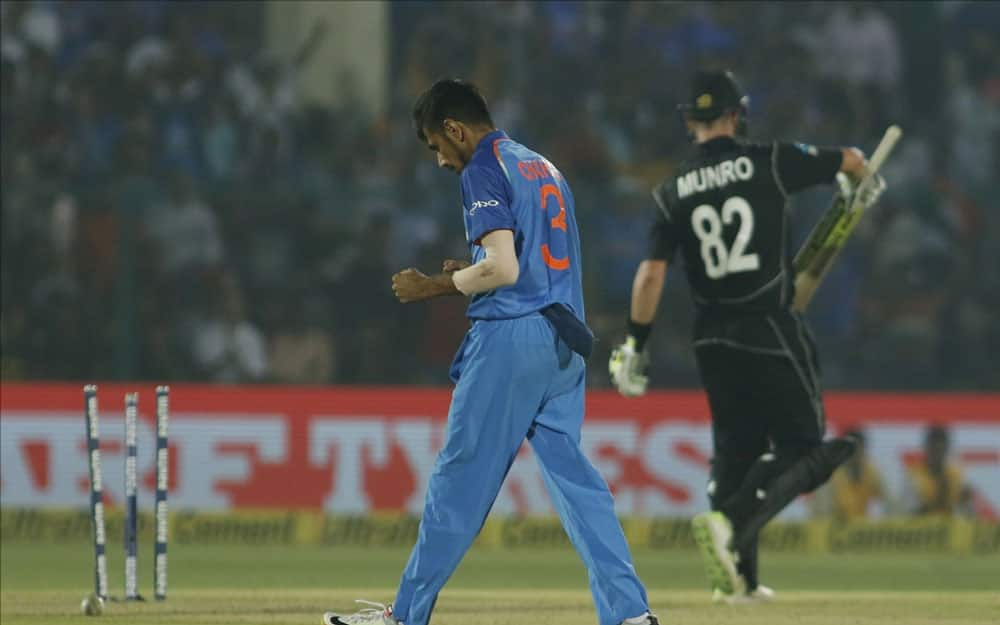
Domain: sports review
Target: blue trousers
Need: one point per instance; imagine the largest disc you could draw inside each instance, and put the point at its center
(516, 380)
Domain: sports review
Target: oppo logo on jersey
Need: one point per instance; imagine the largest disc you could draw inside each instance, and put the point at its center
(714, 177)
(482, 204)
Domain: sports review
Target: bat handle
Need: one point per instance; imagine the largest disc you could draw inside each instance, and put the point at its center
(884, 148)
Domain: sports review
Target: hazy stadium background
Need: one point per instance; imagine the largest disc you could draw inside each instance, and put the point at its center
(214, 195)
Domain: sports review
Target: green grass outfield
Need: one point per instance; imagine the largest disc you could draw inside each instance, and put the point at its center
(44, 583)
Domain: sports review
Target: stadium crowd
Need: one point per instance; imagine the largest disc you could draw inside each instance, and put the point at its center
(174, 210)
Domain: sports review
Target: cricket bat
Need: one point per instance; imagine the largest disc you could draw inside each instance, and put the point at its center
(831, 233)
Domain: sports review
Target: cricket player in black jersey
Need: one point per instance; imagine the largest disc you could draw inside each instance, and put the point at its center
(725, 211)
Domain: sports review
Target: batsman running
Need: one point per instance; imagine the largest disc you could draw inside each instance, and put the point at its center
(726, 211)
(519, 373)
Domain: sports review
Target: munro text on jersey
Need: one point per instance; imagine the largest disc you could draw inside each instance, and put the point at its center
(714, 177)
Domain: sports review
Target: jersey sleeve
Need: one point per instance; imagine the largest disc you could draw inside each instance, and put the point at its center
(798, 166)
(663, 236)
(486, 198)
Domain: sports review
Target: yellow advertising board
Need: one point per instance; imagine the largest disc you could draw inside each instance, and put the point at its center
(307, 527)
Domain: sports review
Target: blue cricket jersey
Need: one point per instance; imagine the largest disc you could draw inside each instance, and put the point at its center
(506, 186)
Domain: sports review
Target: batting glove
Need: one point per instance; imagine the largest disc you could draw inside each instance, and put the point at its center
(862, 194)
(846, 185)
(870, 193)
(628, 369)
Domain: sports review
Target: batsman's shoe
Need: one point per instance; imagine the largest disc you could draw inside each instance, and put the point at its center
(713, 532)
(646, 619)
(760, 594)
(377, 614)
(841, 449)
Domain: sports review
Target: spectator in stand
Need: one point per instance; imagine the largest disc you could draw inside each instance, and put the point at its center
(185, 231)
(936, 485)
(226, 346)
(859, 48)
(302, 350)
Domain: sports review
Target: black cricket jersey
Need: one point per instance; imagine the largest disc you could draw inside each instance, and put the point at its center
(725, 210)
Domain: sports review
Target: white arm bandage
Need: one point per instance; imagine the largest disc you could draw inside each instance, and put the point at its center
(499, 268)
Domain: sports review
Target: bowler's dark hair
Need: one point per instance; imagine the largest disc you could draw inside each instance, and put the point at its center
(450, 98)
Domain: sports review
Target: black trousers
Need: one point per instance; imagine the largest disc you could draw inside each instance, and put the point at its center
(762, 379)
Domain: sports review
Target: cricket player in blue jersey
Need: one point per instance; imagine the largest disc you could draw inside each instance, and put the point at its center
(519, 373)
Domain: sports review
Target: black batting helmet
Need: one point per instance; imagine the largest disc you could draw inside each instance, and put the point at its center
(712, 94)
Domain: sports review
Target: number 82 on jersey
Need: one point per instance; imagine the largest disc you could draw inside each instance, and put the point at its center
(707, 224)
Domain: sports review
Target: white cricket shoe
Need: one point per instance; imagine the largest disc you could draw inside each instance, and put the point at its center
(646, 619)
(378, 614)
(760, 594)
(713, 532)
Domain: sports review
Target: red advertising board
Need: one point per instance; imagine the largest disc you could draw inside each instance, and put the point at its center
(356, 450)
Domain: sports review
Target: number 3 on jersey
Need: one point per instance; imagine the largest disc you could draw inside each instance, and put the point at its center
(706, 223)
(557, 223)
